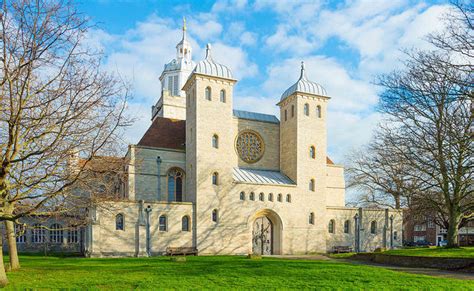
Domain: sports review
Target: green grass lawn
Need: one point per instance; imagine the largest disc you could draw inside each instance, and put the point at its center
(223, 272)
(465, 252)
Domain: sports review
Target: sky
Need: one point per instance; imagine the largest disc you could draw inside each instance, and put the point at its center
(344, 44)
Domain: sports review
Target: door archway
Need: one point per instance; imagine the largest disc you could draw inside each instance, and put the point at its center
(266, 233)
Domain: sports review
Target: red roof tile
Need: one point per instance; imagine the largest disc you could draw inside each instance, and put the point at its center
(165, 133)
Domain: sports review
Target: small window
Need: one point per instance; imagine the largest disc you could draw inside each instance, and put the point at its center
(311, 218)
(318, 111)
(347, 226)
(252, 196)
(163, 223)
(215, 215)
(373, 227)
(261, 197)
(292, 110)
(20, 233)
(208, 93)
(279, 198)
(306, 109)
(286, 115)
(270, 197)
(395, 235)
(215, 141)
(215, 178)
(222, 96)
(312, 152)
(185, 223)
(242, 195)
(288, 198)
(311, 185)
(73, 235)
(332, 226)
(56, 234)
(119, 222)
(38, 234)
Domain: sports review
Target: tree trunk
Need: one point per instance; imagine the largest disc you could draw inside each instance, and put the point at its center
(453, 229)
(3, 274)
(12, 249)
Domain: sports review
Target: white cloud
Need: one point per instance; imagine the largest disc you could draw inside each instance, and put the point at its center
(205, 30)
(235, 58)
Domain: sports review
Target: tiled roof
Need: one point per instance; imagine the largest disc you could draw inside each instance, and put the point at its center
(252, 176)
(165, 133)
(256, 116)
(329, 161)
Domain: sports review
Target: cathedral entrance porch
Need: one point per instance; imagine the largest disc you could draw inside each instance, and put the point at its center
(266, 230)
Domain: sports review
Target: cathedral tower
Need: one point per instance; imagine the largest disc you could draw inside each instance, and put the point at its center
(209, 138)
(303, 141)
(172, 102)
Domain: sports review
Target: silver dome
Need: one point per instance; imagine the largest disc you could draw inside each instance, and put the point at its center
(211, 68)
(304, 85)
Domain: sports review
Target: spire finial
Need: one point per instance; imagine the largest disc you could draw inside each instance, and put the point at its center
(184, 23)
(208, 51)
(303, 72)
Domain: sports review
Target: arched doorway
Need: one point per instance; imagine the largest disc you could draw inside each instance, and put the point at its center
(266, 232)
(262, 236)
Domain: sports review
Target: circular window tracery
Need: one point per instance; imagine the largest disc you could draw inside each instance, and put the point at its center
(249, 146)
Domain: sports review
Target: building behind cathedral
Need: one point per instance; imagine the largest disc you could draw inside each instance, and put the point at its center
(226, 181)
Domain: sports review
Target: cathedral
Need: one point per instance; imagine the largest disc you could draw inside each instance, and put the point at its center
(225, 181)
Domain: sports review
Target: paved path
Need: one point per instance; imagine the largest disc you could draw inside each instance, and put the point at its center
(422, 271)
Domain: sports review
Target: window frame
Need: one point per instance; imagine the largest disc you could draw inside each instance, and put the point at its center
(215, 215)
(222, 96)
(215, 141)
(332, 226)
(215, 178)
(185, 227)
(163, 227)
(242, 196)
(373, 227)
(120, 224)
(208, 93)
(56, 234)
(311, 218)
(347, 226)
(306, 109)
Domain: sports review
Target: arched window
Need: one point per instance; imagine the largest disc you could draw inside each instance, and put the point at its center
(222, 95)
(242, 195)
(306, 109)
(56, 234)
(373, 227)
(261, 196)
(215, 215)
(311, 185)
(311, 218)
(175, 184)
(215, 178)
(286, 115)
(332, 226)
(318, 111)
(215, 141)
(208, 93)
(288, 198)
(270, 197)
(252, 196)
(395, 235)
(312, 152)
(119, 222)
(279, 198)
(185, 223)
(163, 223)
(347, 226)
(73, 235)
(292, 110)
(38, 233)
(20, 233)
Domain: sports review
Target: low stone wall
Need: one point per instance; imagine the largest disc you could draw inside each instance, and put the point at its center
(419, 262)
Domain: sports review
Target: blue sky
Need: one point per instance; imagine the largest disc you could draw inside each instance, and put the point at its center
(345, 45)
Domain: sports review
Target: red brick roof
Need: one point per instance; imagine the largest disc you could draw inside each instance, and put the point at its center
(165, 133)
(329, 161)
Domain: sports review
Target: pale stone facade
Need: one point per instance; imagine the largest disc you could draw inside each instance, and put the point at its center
(233, 182)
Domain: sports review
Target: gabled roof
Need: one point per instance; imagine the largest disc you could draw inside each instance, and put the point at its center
(256, 116)
(165, 133)
(253, 176)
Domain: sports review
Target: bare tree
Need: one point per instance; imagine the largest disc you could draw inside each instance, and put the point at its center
(430, 129)
(55, 102)
(380, 176)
